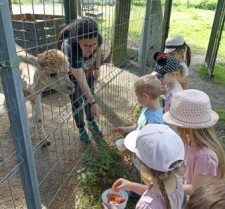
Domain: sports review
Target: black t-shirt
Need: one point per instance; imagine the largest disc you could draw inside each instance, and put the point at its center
(73, 51)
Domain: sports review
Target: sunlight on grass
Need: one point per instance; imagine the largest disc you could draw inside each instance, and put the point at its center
(194, 25)
(221, 123)
(222, 117)
(135, 23)
(219, 75)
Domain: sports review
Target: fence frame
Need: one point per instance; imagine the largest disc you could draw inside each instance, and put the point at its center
(166, 22)
(215, 38)
(145, 37)
(12, 88)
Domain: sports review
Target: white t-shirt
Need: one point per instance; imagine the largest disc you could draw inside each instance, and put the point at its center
(169, 95)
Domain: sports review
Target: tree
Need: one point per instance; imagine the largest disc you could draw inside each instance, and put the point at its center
(154, 32)
(10, 6)
(120, 33)
(70, 10)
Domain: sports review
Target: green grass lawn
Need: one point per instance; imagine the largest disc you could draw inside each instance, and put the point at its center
(219, 75)
(195, 25)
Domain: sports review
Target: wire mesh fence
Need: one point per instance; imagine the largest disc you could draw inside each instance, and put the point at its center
(46, 88)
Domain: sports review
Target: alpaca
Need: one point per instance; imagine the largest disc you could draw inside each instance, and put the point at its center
(48, 69)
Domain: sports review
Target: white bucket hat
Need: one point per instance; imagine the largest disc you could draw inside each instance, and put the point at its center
(157, 146)
(191, 109)
(174, 42)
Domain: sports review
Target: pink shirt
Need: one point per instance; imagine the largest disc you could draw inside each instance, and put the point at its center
(151, 200)
(203, 161)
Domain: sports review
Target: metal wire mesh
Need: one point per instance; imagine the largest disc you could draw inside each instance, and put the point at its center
(56, 165)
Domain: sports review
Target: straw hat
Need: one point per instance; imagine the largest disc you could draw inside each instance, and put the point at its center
(174, 42)
(191, 109)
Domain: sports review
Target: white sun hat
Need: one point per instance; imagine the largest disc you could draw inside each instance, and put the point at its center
(157, 146)
(191, 109)
(174, 42)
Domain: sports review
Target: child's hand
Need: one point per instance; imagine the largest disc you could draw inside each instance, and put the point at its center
(121, 184)
(122, 130)
(112, 206)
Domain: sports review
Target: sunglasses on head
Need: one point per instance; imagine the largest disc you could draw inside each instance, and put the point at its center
(157, 75)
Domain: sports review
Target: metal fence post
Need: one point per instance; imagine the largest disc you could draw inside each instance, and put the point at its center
(145, 37)
(70, 7)
(215, 37)
(17, 112)
(166, 22)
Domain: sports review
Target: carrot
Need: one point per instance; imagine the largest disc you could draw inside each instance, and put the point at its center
(115, 198)
(113, 188)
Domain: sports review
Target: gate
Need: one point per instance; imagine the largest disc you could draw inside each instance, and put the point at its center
(215, 37)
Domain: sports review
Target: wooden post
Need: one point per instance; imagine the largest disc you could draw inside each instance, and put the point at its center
(166, 22)
(121, 28)
(70, 7)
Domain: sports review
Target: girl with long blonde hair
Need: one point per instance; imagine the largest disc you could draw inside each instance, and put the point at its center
(191, 113)
(160, 151)
(171, 74)
(176, 46)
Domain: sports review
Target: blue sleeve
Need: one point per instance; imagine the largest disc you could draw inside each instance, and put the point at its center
(141, 120)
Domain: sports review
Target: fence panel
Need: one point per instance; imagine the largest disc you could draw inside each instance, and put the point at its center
(50, 119)
(13, 171)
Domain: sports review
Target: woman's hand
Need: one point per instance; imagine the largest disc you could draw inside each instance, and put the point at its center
(96, 110)
(96, 74)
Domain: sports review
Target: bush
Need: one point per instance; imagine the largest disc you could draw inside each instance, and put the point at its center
(199, 4)
(206, 4)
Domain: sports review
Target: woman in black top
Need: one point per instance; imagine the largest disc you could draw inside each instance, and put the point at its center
(81, 43)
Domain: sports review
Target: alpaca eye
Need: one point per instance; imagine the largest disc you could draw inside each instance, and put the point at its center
(52, 75)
